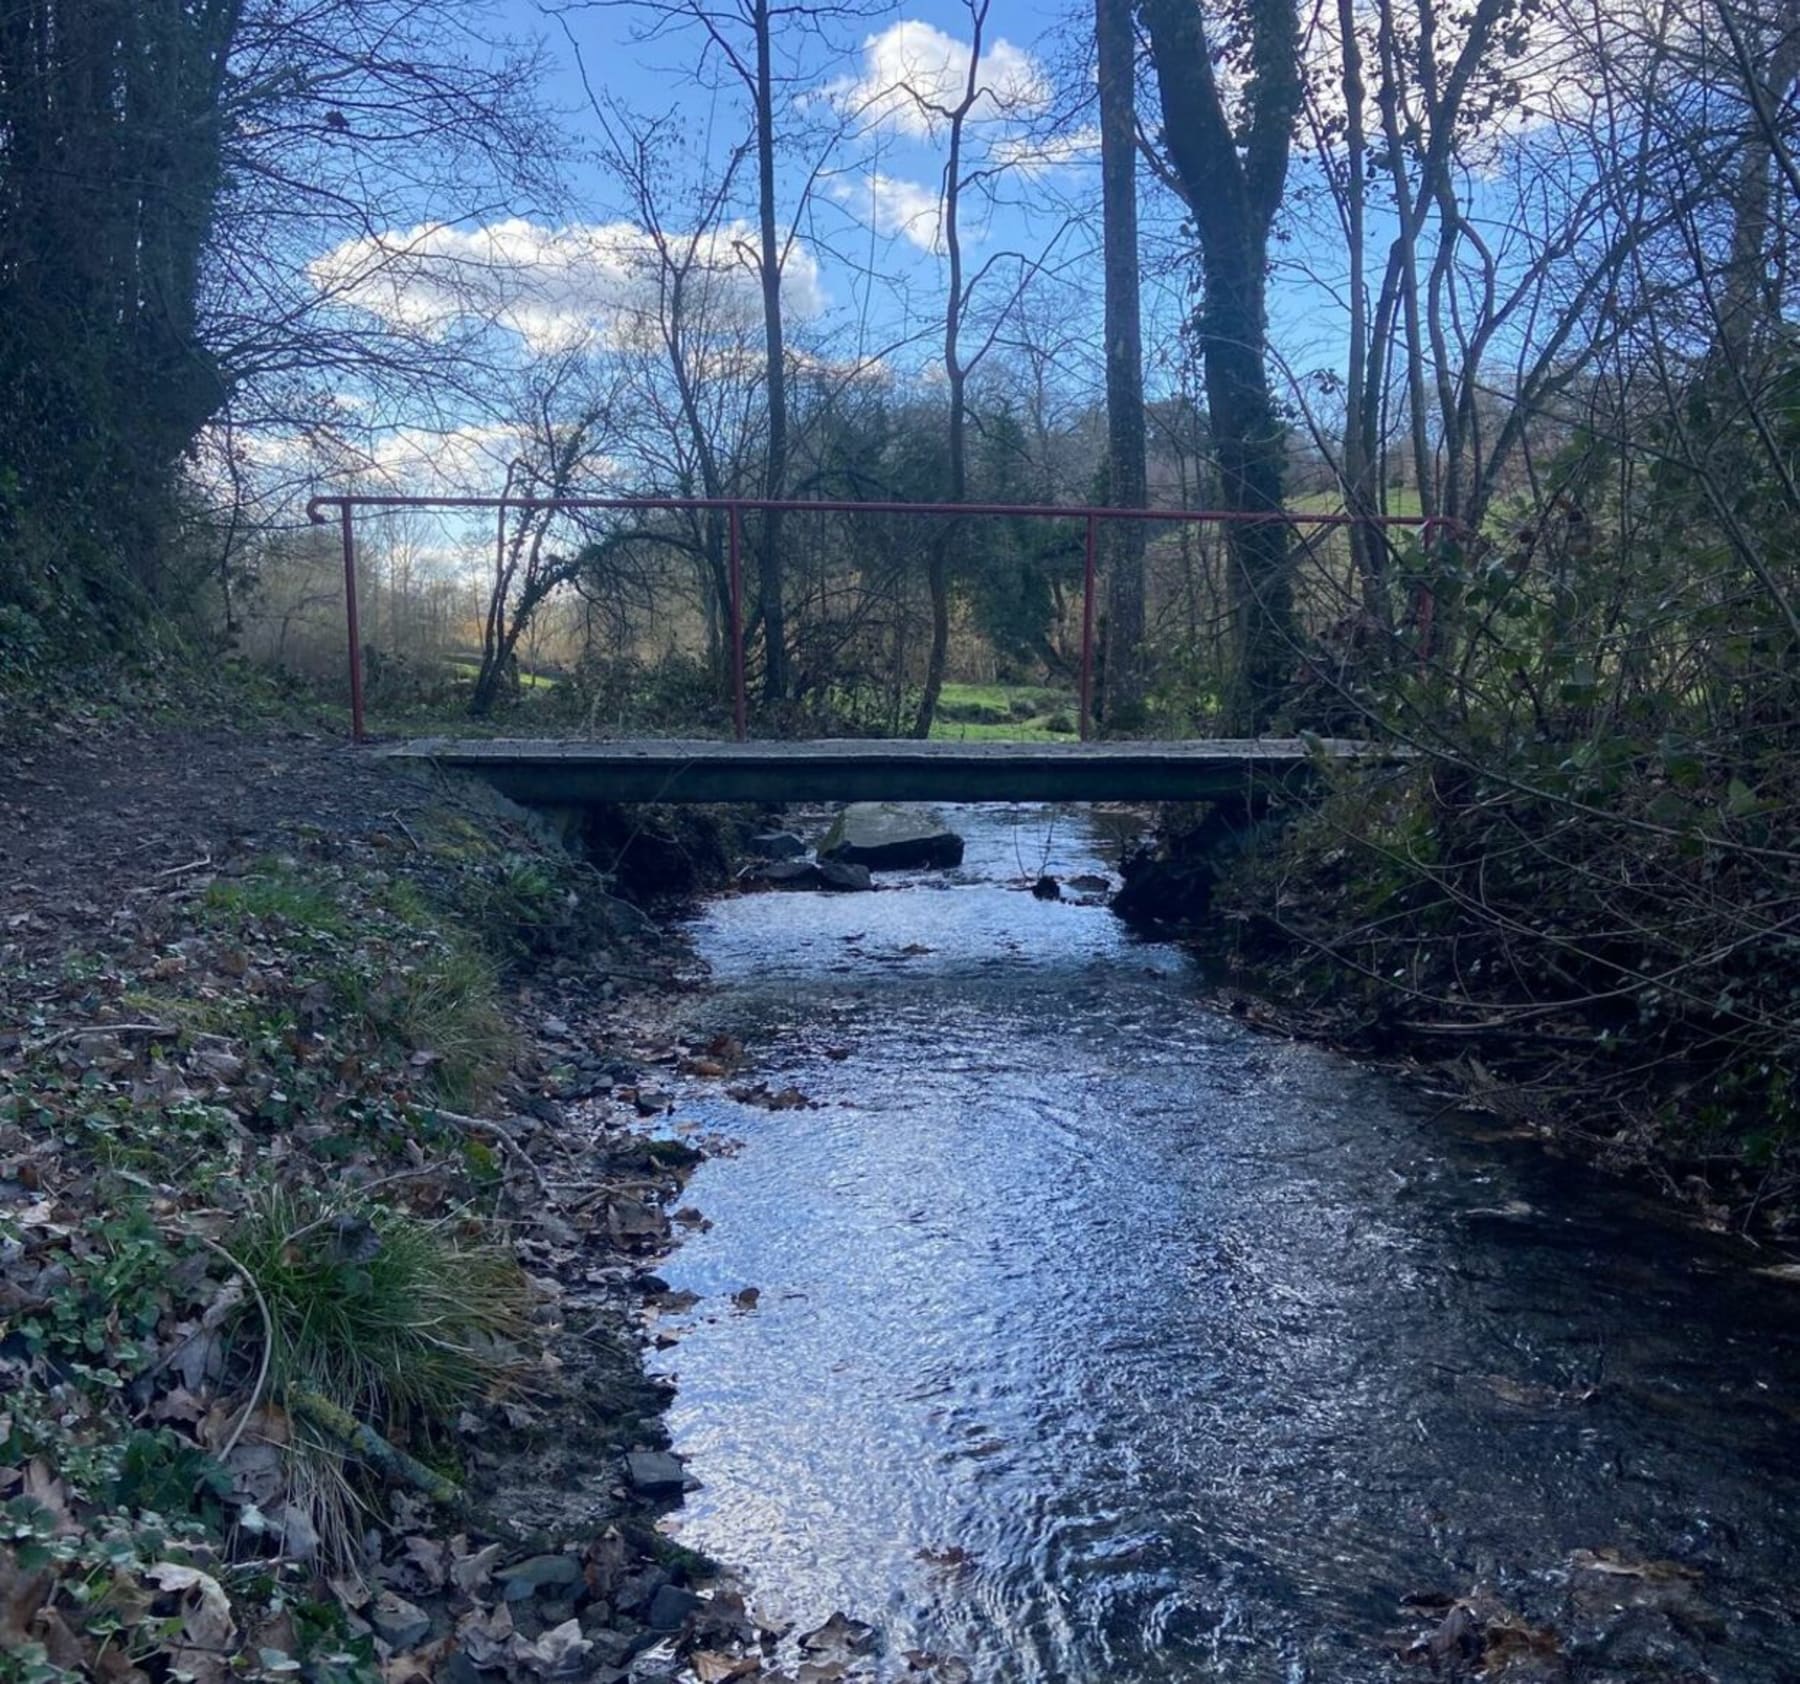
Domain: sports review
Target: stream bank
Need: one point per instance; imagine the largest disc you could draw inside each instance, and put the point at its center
(1533, 962)
(330, 1201)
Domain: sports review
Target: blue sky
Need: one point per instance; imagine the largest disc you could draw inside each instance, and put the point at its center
(852, 113)
(861, 175)
(861, 168)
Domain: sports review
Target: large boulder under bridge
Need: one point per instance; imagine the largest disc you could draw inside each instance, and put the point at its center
(891, 836)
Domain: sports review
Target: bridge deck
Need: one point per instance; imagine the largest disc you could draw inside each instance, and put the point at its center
(556, 773)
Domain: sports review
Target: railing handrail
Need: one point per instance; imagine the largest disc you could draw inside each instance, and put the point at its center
(1092, 514)
(839, 505)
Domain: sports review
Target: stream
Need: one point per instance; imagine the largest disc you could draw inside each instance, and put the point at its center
(1099, 1336)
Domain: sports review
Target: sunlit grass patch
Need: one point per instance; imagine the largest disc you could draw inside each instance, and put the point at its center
(1030, 713)
(274, 892)
(1026, 731)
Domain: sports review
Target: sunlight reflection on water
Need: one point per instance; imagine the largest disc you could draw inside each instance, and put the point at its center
(1100, 1337)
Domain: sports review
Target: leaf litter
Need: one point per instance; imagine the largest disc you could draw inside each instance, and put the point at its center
(247, 989)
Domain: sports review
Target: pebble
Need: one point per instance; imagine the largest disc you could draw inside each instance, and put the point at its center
(670, 1606)
(655, 1471)
(398, 1623)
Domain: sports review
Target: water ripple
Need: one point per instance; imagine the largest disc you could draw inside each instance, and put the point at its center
(1101, 1339)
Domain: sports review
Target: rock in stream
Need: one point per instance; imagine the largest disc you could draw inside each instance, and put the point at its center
(890, 836)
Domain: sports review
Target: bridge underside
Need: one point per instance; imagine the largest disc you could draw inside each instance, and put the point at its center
(543, 772)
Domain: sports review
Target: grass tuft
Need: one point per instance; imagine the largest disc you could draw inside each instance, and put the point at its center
(396, 1322)
(275, 893)
(446, 1006)
(393, 1318)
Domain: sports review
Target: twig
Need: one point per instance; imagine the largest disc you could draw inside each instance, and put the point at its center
(81, 1029)
(224, 1301)
(370, 1445)
(182, 870)
(405, 831)
(268, 1353)
(486, 1125)
(360, 1192)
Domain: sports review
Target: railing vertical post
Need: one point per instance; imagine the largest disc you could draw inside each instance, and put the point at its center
(740, 711)
(1087, 627)
(352, 625)
(500, 570)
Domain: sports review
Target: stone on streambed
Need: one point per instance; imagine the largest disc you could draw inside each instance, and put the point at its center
(843, 875)
(397, 1622)
(655, 1472)
(776, 845)
(539, 1573)
(785, 874)
(890, 836)
(805, 874)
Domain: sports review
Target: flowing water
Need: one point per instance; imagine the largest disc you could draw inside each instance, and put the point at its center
(1101, 1337)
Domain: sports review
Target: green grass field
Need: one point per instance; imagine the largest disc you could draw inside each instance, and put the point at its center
(1003, 713)
(462, 666)
(1402, 503)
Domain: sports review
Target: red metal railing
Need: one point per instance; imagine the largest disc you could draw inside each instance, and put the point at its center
(733, 507)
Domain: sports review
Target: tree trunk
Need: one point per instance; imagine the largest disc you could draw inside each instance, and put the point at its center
(1249, 444)
(1127, 477)
(769, 558)
(1361, 496)
(1749, 307)
(1233, 184)
(956, 378)
(1406, 245)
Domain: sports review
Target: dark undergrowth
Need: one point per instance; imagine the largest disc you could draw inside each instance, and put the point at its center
(1586, 955)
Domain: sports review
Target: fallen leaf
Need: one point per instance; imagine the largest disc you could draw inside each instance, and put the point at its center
(427, 1557)
(839, 1638)
(471, 1572)
(49, 1493)
(558, 1653)
(207, 1630)
(21, 1595)
(712, 1667)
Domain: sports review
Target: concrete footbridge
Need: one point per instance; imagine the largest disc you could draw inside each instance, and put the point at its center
(557, 773)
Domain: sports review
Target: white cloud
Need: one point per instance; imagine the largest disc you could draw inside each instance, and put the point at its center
(912, 66)
(427, 461)
(1033, 154)
(554, 287)
(893, 205)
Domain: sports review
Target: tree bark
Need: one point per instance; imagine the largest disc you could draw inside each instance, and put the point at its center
(1127, 476)
(769, 558)
(956, 378)
(1748, 309)
(1233, 185)
(1361, 497)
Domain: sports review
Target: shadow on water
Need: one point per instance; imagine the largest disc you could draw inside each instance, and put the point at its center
(1100, 1338)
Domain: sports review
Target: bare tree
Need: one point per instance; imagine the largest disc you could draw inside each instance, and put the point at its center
(1126, 471)
(569, 431)
(1231, 171)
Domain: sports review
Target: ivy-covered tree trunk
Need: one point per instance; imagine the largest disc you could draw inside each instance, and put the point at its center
(1232, 170)
(1126, 473)
(111, 131)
